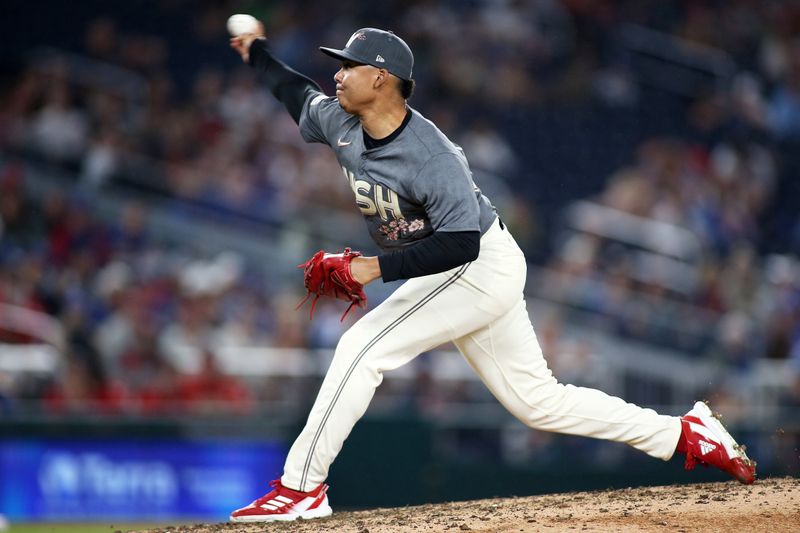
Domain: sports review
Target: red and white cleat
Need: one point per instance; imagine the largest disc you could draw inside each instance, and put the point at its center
(283, 504)
(704, 440)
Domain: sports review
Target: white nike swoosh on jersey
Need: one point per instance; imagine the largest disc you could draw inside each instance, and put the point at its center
(339, 142)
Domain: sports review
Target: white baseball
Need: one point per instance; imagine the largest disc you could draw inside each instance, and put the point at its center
(240, 23)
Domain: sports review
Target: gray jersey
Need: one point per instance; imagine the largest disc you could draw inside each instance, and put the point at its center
(407, 189)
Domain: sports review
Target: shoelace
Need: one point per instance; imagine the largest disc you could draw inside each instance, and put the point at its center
(691, 461)
(276, 487)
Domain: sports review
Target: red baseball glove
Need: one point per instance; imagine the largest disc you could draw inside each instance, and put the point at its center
(329, 275)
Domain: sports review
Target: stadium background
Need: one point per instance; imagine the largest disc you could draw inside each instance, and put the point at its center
(154, 202)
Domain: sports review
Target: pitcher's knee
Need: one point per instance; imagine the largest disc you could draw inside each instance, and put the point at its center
(545, 400)
(346, 344)
(354, 350)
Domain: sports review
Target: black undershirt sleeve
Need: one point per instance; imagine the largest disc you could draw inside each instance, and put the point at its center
(288, 85)
(441, 251)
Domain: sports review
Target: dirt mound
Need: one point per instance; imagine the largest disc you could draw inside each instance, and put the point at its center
(770, 505)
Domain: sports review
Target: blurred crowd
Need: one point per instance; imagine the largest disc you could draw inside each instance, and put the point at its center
(174, 112)
(725, 301)
(155, 110)
(148, 326)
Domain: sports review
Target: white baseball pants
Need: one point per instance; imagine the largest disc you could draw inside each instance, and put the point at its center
(479, 306)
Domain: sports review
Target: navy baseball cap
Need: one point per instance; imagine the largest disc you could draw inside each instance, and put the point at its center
(379, 48)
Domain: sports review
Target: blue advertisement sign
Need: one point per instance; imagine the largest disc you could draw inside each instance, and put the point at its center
(69, 480)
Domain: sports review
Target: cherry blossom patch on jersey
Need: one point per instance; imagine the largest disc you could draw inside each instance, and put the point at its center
(401, 228)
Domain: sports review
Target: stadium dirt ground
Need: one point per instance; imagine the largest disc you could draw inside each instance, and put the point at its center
(771, 505)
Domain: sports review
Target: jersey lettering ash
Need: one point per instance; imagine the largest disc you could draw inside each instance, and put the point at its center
(418, 183)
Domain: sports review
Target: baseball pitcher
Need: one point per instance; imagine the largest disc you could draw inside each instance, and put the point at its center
(465, 276)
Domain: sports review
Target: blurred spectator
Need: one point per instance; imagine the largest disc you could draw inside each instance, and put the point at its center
(116, 334)
(100, 161)
(183, 343)
(784, 106)
(19, 224)
(59, 130)
(736, 346)
(6, 393)
(101, 39)
(82, 391)
(211, 392)
(487, 150)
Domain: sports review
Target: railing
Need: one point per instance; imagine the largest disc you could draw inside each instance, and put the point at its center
(635, 371)
(88, 72)
(658, 237)
(674, 64)
(41, 343)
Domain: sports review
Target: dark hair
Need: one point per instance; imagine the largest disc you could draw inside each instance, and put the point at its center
(407, 88)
